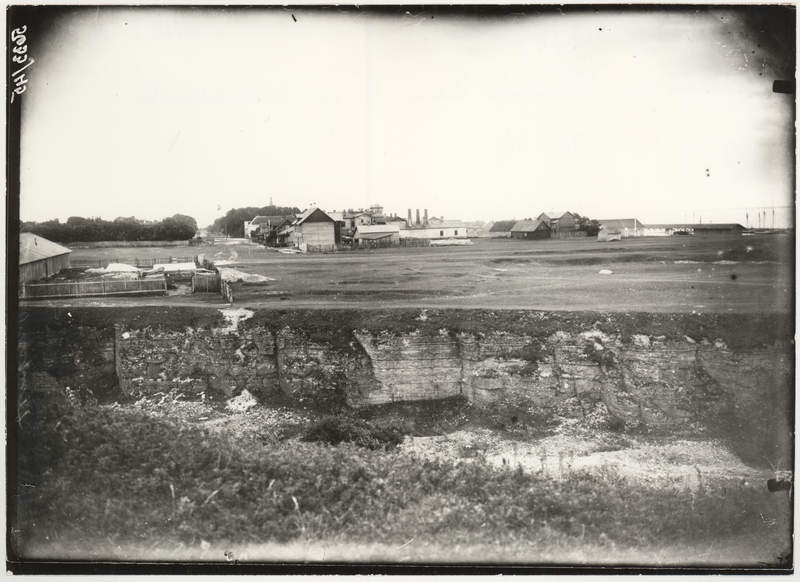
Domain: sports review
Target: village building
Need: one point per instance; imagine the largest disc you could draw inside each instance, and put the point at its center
(40, 258)
(261, 227)
(313, 231)
(562, 224)
(377, 235)
(449, 229)
(530, 230)
(626, 227)
(501, 229)
(662, 229)
(717, 229)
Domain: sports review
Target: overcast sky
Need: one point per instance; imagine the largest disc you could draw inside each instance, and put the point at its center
(662, 116)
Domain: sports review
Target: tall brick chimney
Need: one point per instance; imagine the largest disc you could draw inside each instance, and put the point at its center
(426, 217)
(417, 215)
(409, 217)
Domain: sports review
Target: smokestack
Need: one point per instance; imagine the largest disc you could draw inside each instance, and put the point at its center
(417, 215)
(409, 217)
(426, 216)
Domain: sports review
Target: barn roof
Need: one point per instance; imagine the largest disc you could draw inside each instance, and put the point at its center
(309, 212)
(502, 226)
(527, 225)
(555, 215)
(33, 248)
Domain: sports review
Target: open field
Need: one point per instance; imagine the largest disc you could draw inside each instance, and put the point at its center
(633, 418)
(676, 274)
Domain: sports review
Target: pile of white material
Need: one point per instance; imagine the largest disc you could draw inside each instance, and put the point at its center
(233, 316)
(605, 272)
(114, 268)
(289, 251)
(121, 275)
(448, 242)
(242, 403)
(233, 275)
(173, 267)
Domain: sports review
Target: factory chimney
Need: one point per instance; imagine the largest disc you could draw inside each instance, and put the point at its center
(417, 215)
(409, 217)
(426, 217)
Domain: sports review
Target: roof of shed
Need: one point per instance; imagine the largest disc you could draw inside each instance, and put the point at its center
(502, 226)
(717, 226)
(528, 225)
(33, 247)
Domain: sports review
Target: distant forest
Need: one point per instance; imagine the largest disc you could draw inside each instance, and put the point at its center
(76, 228)
(232, 224)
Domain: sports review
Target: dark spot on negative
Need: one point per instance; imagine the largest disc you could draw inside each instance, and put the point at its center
(733, 276)
(293, 18)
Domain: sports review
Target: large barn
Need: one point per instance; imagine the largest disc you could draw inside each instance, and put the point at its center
(40, 258)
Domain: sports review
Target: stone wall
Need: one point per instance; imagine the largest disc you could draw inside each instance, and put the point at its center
(643, 381)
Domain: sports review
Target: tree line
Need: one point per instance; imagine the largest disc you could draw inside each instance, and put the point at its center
(130, 228)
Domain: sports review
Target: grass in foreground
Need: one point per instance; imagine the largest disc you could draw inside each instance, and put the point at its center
(122, 478)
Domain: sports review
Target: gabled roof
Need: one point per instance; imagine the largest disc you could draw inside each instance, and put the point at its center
(553, 215)
(528, 225)
(620, 223)
(317, 213)
(32, 248)
(502, 226)
(260, 220)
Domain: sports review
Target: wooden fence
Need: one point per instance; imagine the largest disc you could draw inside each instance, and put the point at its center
(206, 283)
(226, 290)
(95, 288)
(415, 242)
(144, 263)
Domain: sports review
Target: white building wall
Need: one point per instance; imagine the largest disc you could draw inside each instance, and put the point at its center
(435, 232)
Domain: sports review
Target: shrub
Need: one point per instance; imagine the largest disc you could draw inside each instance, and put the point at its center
(338, 429)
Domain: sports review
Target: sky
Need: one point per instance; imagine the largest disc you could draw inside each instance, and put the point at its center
(664, 116)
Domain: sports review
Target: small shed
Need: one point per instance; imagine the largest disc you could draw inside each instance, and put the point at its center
(40, 258)
(530, 230)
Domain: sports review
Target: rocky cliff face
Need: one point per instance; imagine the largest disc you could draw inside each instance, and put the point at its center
(641, 381)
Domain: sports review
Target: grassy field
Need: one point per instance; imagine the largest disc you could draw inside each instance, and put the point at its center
(677, 274)
(163, 479)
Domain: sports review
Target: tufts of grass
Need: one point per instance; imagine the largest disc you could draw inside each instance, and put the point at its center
(118, 476)
(345, 429)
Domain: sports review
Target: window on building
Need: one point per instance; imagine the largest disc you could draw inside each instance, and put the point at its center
(441, 233)
(455, 232)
